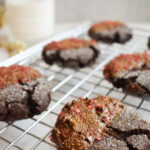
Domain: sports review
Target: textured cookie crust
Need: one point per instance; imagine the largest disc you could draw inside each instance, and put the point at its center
(140, 142)
(126, 132)
(110, 31)
(131, 72)
(102, 123)
(71, 53)
(109, 143)
(23, 94)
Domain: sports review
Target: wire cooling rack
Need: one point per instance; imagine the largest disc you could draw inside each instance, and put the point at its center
(68, 84)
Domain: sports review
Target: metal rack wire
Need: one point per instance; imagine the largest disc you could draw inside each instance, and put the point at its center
(68, 84)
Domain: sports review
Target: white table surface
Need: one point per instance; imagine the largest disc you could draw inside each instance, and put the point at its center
(60, 27)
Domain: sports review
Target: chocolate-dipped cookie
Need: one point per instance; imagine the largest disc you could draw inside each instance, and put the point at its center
(23, 93)
(131, 72)
(102, 123)
(110, 31)
(72, 52)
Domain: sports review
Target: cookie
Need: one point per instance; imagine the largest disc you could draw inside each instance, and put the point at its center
(110, 31)
(23, 93)
(102, 123)
(82, 122)
(148, 43)
(131, 73)
(75, 53)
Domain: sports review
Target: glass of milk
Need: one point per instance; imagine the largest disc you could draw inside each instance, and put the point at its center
(31, 20)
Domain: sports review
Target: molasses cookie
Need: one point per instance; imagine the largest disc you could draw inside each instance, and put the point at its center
(23, 93)
(71, 52)
(110, 31)
(131, 73)
(102, 123)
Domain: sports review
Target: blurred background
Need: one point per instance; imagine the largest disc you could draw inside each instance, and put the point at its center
(125, 10)
(24, 23)
(77, 10)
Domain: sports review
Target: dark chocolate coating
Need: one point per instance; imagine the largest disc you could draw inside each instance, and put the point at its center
(73, 53)
(76, 58)
(135, 83)
(22, 101)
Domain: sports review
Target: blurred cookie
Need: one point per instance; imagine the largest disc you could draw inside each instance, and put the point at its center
(110, 31)
(73, 53)
(131, 73)
(148, 44)
(23, 93)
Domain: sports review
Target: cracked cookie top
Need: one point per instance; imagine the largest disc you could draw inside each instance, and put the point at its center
(72, 43)
(17, 74)
(23, 93)
(128, 131)
(22, 101)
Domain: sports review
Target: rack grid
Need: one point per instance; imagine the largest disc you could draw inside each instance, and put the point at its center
(68, 84)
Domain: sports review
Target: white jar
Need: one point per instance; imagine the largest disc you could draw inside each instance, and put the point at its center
(31, 20)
